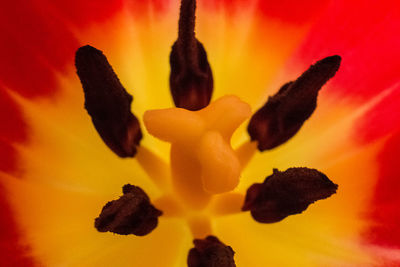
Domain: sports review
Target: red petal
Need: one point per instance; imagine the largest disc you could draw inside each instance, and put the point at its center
(12, 253)
(34, 44)
(381, 120)
(295, 12)
(365, 35)
(385, 207)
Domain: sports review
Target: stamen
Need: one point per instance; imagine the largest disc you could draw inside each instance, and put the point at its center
(285, 112)
(227, 204)
(170, 206)
(191, 80)
(287, 193)
(155, 167)
(107, 102)
(132, 213)
(245, 152)
(210, 252)
(200, 225)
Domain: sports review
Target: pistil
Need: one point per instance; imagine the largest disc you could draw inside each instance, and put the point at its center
(203, 162)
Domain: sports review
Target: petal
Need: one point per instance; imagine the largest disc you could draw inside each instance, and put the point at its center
(69, 237)
(385, 202)
(56, 178)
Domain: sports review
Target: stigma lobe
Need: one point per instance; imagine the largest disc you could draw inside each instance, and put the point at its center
(132, 213)
(284, 113)
(107, 102)
(210, 252)
(191, 80)
(287, 193)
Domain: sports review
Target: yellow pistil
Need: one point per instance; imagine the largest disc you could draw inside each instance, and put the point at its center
(203, 162)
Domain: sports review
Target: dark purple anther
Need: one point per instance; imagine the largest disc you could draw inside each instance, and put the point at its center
(210, 252)
(191, 80)
(285, 112)
(287, 193)
(107, 102)
(132, 213)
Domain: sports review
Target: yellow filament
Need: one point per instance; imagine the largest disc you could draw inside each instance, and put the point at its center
(200, 226)
(227, 204)
(245, 152)
(169, 206)
(155, 167)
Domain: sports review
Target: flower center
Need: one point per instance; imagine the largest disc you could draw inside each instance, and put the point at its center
(203, 162)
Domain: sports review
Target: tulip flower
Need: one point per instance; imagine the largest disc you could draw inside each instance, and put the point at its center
(267, 107)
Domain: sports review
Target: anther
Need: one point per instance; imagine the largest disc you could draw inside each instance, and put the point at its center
(287, 193)
(132, 213)
(107, 102)
(285, 112)
(191, 80)
(210, 252)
